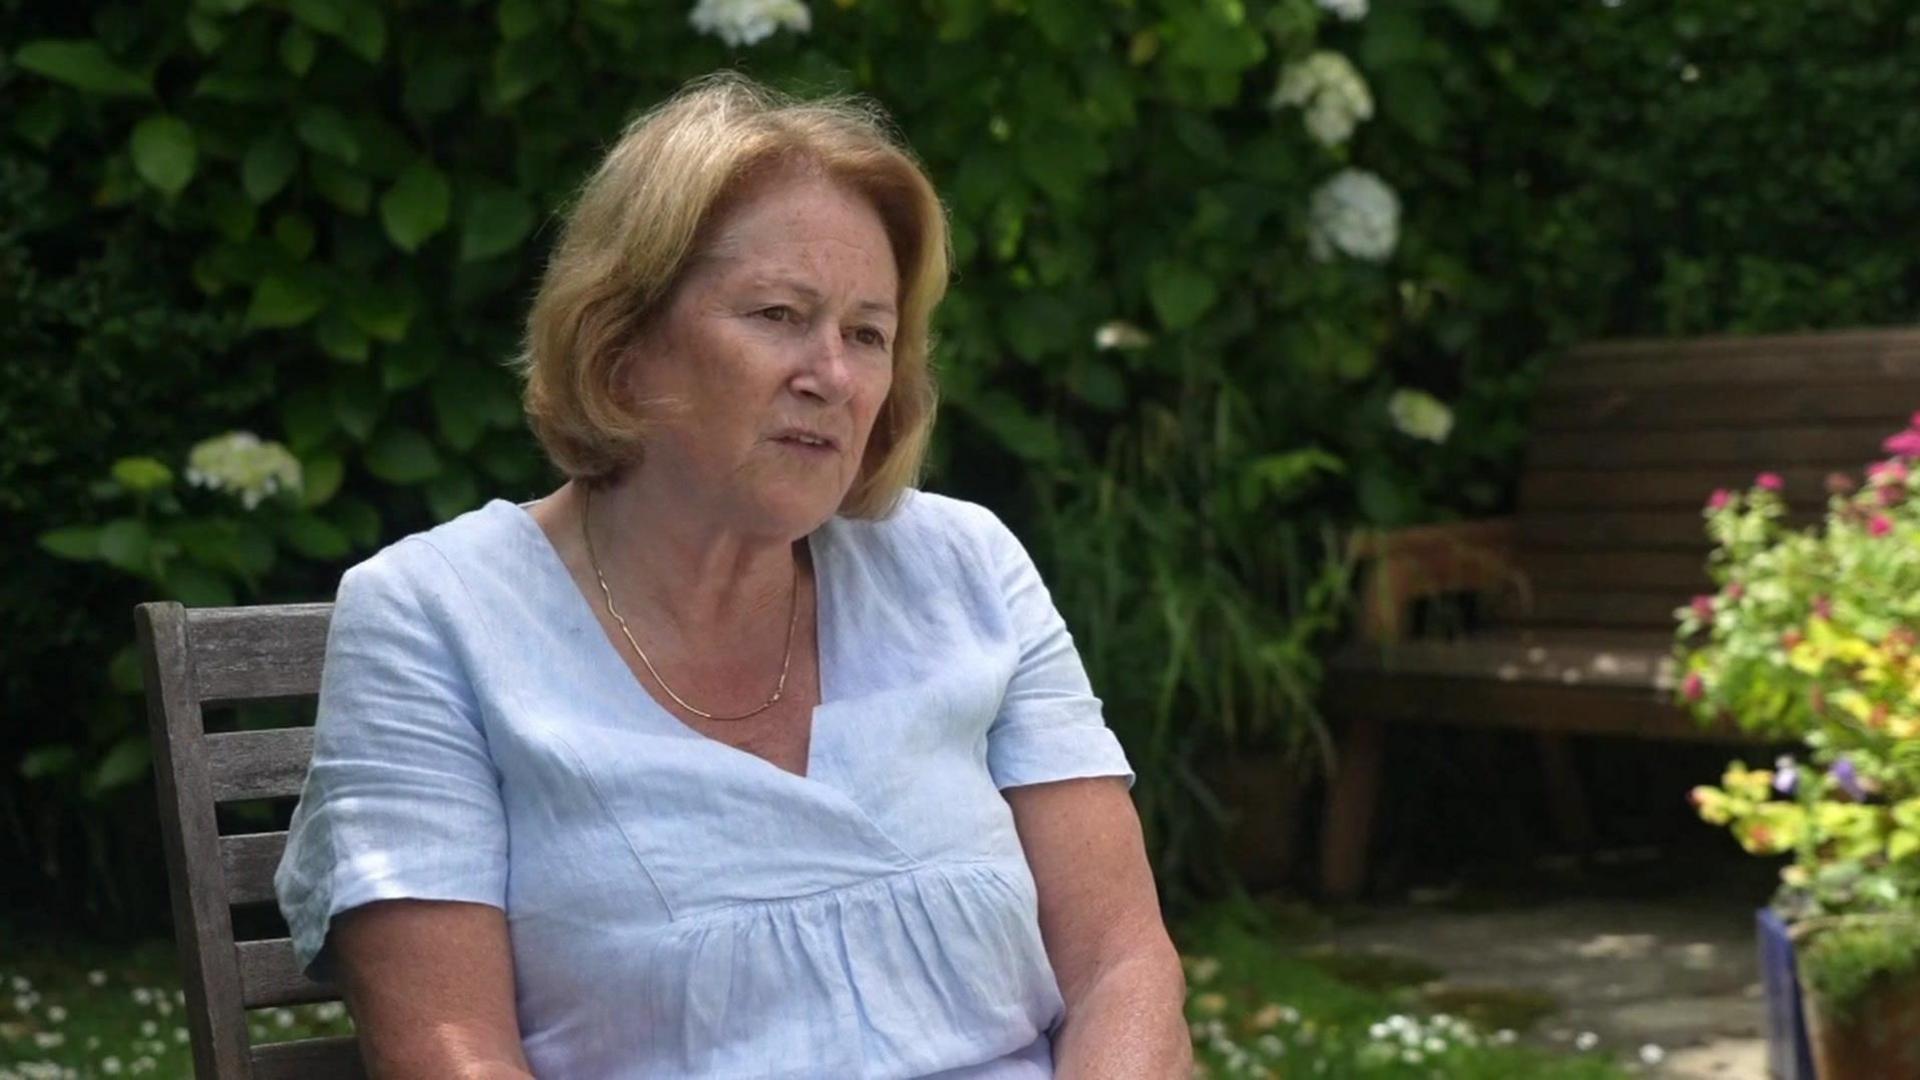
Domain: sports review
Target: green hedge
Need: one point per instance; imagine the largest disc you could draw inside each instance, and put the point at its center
(321, 220)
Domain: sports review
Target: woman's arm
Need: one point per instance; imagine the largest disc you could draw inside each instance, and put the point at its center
(1100, 917)
(430, 987)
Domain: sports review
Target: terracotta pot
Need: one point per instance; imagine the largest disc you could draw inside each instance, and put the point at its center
(1879, 1041)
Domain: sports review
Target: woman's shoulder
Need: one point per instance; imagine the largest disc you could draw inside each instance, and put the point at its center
(447, 557)
(926, 522)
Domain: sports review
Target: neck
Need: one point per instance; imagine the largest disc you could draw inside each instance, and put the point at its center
(694, 578)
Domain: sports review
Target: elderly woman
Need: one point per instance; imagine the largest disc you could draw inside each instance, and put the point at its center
(735, 755)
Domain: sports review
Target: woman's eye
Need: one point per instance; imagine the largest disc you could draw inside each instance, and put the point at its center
(867, 335)
(777, 313)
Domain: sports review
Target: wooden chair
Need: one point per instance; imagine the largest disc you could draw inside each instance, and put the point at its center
(1628, 441)
(214, 656)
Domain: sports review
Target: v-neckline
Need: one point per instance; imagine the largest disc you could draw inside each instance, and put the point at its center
(583, 610)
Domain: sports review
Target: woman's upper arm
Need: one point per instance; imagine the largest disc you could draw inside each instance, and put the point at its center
(393, 882)
(1098, 904)
(430, 987)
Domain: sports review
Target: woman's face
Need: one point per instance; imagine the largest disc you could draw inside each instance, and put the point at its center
(782, 329)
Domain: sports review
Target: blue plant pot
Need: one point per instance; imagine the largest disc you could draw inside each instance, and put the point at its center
(1789, 1054)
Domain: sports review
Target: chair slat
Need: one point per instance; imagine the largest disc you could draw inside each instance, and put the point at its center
(1804, 359)
(1650, 611)
(334, 1058)
(269, 975)
(1653, 489)
(1678, 574)
(250, 861)
(1615, 408)
(258, 653)
(1838, 446)
(1635, 665)
(267, 764)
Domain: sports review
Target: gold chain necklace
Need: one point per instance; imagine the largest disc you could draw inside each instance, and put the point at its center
(793, 619)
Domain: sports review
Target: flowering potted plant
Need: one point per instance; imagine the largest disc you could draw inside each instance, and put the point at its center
(1814, 636)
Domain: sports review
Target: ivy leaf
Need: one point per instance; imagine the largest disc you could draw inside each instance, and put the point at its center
(81, 542)
(415, 207)
(382, 311)
(497, 219)
(125, 544)
(324, 129)
(321, 474)
(1180, 294)
(127, 762)
(280, 301)
(164, 153)
(326, 16)
(316, 537)
(81, 64)
(298, 47)
(340, 338)
(402, 456)
(365, 32)
(340, 185)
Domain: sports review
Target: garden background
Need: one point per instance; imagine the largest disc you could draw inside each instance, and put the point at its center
(1233, 277)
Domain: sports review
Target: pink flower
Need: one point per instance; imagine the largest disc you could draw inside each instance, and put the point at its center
(1735, 590)
(1891, 471)
(1769, 481)
(1879, 526)
(1720, 499)
(1822, 607)
(1703, 608)
(1694, 688)
(1891, 496)
(1839, 483)
(1906, 444)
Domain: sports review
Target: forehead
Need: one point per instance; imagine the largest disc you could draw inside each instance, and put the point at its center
(806, 223)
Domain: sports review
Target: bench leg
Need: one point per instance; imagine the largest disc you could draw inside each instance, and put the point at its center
(1352, 791)
(1566, 796)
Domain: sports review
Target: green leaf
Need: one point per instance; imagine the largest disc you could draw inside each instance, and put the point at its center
(359, 519)
(1481, 13)
(517, 18)
(232, 214)
(196, 586)
(326, 16)
(1179, 293)
(522, 66)
(124, 672)
(280, 302)
(164, 153)
(357, 405)
(415, 207)
(80, 542)
(125, 544)
(206, 33)
(402, 455)
(82, 64)
(322, 473)
(298, 47)
(294, 234)
(142, 474)
(41, 121)
(340, 185)
(126, 763)
(383, 311)
(307, 416)
(324, 129)
(497, 219)
(316, 537)
(238, 88)
(459, 410)
(53, 760)
(452, 493)
(410, 362)
(340, 338)
(365, 32)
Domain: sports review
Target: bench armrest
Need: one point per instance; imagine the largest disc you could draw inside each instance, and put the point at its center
(1400, 566)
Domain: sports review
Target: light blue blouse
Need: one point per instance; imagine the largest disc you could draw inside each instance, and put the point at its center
(678, 907)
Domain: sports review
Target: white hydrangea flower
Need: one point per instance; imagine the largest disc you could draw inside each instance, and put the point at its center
(240, 463)
(96, 977)
(1120, 334)
(1420, 415)
(1347, 10)
(1354, 213)
(1333, 97)
(747, 22)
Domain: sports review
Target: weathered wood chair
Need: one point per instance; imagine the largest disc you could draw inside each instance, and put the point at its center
(220, 656)
(1628, 441)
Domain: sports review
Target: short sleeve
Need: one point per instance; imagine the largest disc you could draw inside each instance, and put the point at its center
(1050, 726)
(402, 800)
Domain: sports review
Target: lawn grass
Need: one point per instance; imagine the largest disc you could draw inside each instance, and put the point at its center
(1260, 1005)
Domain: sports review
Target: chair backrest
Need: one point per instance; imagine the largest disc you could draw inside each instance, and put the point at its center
(220, 656)
(1629, 439)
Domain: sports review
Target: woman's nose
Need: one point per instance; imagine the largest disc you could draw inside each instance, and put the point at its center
(826, 373)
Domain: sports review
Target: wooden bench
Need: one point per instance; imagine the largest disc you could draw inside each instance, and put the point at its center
(1578, 588)
(225, 656)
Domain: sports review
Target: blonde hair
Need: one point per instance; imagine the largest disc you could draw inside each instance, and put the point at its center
(644, 216)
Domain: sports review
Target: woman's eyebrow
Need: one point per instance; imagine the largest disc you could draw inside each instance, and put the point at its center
(808, 292)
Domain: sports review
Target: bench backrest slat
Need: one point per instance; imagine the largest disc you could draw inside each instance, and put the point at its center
(1629, 439)
(232, 655)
